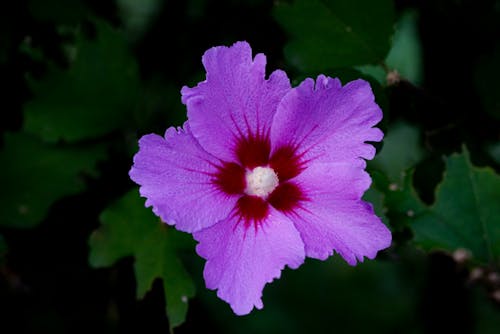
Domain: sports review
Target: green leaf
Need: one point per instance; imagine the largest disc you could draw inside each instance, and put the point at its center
(130, 229)
(35, 175)
(137, 16)
(405, 55)
(466, 213)
(95, 96)
(494, 151)
(63, 12)
(406, 52)
(375, 71)
(392, 173)
(336, 33)
(401, 203)
(402, 150)
(376, 198)
(487, 317)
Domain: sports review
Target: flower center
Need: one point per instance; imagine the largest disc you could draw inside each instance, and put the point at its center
(261, 181)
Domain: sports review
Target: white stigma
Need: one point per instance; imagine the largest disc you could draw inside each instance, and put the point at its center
(261, 181)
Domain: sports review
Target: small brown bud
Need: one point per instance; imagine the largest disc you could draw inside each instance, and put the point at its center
(393, 187)
(393, 78)
(476, 274)
(493, 278)
(496, 295)
(461, 255)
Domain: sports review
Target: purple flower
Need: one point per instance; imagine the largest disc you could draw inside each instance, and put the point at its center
(263, 174)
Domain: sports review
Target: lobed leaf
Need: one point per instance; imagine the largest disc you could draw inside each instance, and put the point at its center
(95, 96)
(62, 12)
(376, 198)
(35, 175)
(327, 34)
(466, 213)
(402, 150)
(401, 203)
(405, 55)
(130, 229)
(406, 52)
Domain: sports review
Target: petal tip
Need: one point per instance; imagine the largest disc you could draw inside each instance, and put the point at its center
(326, 82)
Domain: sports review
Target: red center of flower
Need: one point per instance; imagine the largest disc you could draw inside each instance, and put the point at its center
(254, 156)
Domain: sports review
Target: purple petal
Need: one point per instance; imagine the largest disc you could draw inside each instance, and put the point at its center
(348, 227)
(235, 100)
(333, 218)
(176, 177)
(328, 122)
(242, 259)
(344, 181)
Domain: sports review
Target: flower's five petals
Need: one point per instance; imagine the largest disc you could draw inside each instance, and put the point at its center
(241, 259)
(329, 123)
(176, 175)
(235, 100)
(263, 174)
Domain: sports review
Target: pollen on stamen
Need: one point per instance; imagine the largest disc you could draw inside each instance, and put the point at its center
(261, 181)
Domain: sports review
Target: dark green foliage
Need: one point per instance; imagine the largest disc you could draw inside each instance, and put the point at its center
(466, 213)
(35, 175)
(328, 34)
(130, 229)
(67, 12)
(402, 149)
(96, 95)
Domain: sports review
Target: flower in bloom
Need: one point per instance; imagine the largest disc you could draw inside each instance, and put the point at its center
(263, 174)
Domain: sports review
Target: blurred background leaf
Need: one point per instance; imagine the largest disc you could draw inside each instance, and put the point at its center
(376, 198)
(62, 12)
(494, 151)
(130, 229)
(402, 150)
(392, 173)
(400, 200)
(96, 95)
(487, 315)
(405, 55)
(466, 213)
(35, 175)
(137, 16)
(327, 34)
